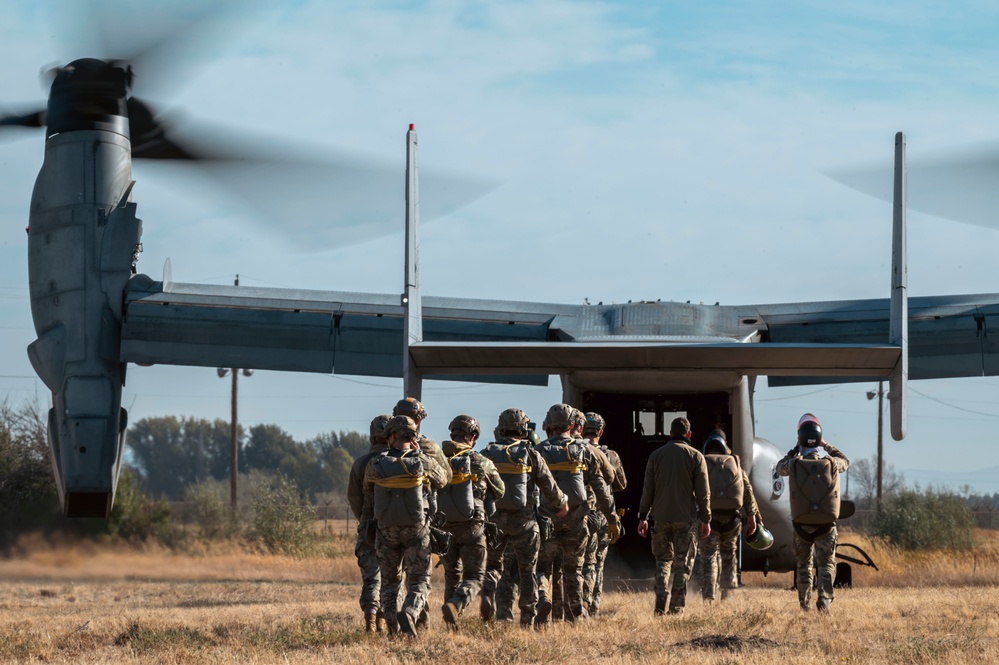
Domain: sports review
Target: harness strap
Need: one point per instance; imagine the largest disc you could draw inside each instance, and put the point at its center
(400, 482)
(459, 478)
(570, 466)
(512, 468)
(812, 536)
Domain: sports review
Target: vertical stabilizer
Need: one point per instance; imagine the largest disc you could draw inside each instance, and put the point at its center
(899, 322)
(412, 379)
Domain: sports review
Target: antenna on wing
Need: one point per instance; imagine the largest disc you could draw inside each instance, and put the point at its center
(898, 327)
(412, 379)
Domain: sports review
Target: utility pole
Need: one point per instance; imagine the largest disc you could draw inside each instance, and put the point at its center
(233, 430)
(880, 394)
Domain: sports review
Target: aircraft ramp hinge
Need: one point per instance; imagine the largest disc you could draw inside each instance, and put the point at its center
(980, 330)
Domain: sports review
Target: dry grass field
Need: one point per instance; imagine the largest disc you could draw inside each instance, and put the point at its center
(98, 604)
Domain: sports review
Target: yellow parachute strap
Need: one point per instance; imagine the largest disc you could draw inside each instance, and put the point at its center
(459, 478)
(512, 468)
(400, 482)
(571, 466)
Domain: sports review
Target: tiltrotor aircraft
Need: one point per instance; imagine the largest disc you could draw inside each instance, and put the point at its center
(637, 363)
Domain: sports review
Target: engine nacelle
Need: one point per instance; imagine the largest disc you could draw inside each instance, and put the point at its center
(83, 240)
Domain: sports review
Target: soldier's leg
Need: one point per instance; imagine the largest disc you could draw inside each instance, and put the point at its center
(452, 563)
(416, 561)
(728, 542)
(681, 548)
(572, 543)
(371, 578)
(491, 580)
(706, 559)
(695, 567)
(506, 591)
(390, 564)
(548, 575)
(560, 608)
(473, 565)
(589, 570)
(526, 546)
(803, 571)
(825, 563)
(603, 546)
(662, 550)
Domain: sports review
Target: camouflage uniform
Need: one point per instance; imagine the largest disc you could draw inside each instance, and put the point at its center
(572, 461)
(817, 539)
(518, 528)
(723, 543)
(675, 494)
(464, 563)
(367, 560)
(403, 547)
(599, 540)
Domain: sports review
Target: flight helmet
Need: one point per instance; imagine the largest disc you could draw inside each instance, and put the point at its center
(715, 444)
(761, 539)
(809, 435)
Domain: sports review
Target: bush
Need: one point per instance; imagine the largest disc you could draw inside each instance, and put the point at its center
(916, 520)
(282, 521)
(135, 516)
(208, 503)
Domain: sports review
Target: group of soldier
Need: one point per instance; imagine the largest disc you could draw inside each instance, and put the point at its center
(534, 518)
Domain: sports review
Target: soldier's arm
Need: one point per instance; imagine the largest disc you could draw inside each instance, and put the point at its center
(749, 504)
(487, 471)
(368, 489)
(620, 479)
(784, 465)
(553, 497)
(702, 490)
(603, 463)
(439, 475)
(602, 493)
(429, 447)
(648, 491)
(355, 489)
(839, 460)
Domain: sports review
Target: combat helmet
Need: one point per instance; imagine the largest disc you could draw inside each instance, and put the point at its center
(594, 422)
(559, 417)
(512, 422)
(761, 539)
(466, 424)
(376, 432)
(410, 407)
(398, 424)
(809, 434)
(714, 442)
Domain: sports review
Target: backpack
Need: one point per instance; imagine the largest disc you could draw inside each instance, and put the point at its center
(725, 480)
(399, 497)
(814, 485)
(565, 463)
(457, 500)
(511, 462)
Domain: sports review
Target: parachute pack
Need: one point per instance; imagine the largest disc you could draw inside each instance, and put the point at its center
(814, 485)
(725, 479)
(565, 463)
(399, 497)
(512, 463)
(457, 500)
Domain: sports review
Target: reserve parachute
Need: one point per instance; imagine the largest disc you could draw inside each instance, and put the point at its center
(512, 463)
(814, 485)
(565, 463)
(457, 500)
(399, 496)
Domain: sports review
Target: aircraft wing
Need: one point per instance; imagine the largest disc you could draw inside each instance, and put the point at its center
(522, 342)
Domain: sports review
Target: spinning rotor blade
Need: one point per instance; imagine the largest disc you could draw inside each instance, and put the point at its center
(30, 119)
(316, 202)
(959, 184)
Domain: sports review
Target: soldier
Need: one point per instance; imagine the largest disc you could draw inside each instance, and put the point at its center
(731, 499)
(394, 497)
(577, 471)
(520, 466)
(463, 504)
(413, 409)
(599, 540)
(367, 560)
(813, 467)
(675, 493)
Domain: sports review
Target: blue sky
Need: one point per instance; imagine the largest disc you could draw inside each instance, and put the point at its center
(670, 151)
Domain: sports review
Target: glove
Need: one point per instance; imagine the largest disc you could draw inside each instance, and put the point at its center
(615, 531)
